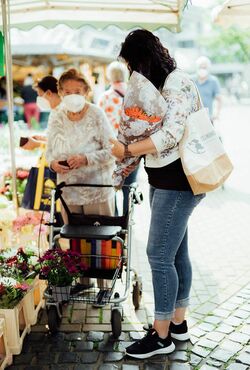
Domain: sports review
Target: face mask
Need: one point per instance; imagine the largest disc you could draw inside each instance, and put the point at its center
(74, 102)
(202, 72)
(43, 103)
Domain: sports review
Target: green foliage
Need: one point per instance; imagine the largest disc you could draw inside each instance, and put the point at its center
(228, 45)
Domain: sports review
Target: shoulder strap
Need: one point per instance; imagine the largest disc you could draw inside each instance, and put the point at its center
(119, 93)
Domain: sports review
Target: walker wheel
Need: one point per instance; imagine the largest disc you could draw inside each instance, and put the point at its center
(116, 323)
(54, 320)
(137, 294)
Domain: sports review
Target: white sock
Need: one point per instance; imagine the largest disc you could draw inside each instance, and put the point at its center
(177, 323)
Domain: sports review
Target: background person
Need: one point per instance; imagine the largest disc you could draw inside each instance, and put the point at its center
(209, 87)
(29, 95)
(48, 99)
(171, 198)
(111, 102)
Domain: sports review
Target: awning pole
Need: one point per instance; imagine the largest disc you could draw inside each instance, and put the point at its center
(9, 91)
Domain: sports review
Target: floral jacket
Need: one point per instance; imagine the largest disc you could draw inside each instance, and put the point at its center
(181, 96)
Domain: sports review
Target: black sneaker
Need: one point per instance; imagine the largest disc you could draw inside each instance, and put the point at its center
(179, 332)
(150, 345)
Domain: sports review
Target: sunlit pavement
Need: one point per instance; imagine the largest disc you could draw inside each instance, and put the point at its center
(219, 315)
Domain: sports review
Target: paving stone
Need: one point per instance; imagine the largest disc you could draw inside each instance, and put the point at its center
(106, 346)
(135, 335)
(245, 329)
(195, 360)
(178, 356)
(181, 346)
(95, 336)
(225, 329)
(200, 351)
(207, 367)
(83, 346)
(68, 357)
(36, 337)
(239, 337)
(23, 359)
(176, 366)
(236, 367)
(60, 347)
(229, 306)
(233, 321)
(89, 357)
(108, 367)
(197, 332)
(207, 343)
(213, 362)
(244, 358)
(38, 347)
(221, 313)
(75, 336)
(231, 346)
(61, 367)
(113, 356)
(85, 367)
(154, 366)
(242, 314)
(46, 358)
(215, 336)
(213, 320)
(130, 367)
(206, 327)
(222, 355)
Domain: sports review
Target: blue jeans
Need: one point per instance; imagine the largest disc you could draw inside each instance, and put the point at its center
(167, 249)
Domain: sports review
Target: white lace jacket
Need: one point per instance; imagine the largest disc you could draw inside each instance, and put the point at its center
(181, 96)
(89, 136)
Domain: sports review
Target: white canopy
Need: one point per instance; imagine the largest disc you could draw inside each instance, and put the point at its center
(233, 12)
(150, 14)
(126, 14)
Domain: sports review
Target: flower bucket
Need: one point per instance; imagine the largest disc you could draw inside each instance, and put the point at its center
(60, 293)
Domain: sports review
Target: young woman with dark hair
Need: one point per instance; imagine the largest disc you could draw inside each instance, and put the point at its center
(171, 198)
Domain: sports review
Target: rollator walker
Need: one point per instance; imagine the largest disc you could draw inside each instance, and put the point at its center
(104, 243)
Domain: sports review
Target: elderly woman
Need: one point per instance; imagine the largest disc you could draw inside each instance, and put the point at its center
(79, 150)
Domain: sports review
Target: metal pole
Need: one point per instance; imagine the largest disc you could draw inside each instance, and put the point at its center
(9, 90)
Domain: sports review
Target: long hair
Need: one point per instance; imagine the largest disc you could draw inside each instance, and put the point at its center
(144, 53)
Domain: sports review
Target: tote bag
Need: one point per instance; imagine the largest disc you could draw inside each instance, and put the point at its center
(203, 157)
(40, 182)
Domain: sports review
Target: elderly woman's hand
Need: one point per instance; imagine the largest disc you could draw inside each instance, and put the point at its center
(59, 168)
(76, 161)
(117, 149)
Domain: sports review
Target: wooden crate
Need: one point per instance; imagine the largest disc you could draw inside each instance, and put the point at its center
(34, 301)
(17, 326)
(5, 355)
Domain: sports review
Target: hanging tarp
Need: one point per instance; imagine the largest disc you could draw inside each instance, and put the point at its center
(150, 14)
(233, 13)
(1, 55)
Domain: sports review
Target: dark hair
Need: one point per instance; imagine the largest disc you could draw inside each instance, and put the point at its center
(144, 53)
(47, 83)
(72, 74)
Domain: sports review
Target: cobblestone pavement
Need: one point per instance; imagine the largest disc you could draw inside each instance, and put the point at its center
(219, 314)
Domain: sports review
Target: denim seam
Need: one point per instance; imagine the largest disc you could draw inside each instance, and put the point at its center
(164, 239)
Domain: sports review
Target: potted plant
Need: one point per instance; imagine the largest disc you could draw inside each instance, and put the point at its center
(60, 267)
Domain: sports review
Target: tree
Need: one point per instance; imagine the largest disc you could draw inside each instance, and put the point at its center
(228, 45)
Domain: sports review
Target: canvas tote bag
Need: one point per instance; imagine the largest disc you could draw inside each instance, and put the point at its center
(203, 157)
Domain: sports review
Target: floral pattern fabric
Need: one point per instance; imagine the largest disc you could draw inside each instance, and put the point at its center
(89, 136)
(142, 115)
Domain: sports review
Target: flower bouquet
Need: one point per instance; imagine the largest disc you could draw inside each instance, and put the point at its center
(142, 115)
(21, 181)
(11, 292)
(60, 268)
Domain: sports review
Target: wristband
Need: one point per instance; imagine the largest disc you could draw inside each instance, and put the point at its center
(127, 152)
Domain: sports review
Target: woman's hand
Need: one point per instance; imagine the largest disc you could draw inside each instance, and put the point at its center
(117, 149)
(77, 161)
(58, 168)
(31, 144)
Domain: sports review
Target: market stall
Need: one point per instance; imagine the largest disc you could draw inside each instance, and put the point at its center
(233, 12)
(150, 14)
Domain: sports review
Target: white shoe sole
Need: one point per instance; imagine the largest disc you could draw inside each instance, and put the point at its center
(162, 351)
(180, 337)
